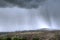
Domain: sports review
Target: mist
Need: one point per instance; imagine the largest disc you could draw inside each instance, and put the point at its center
(14, 17)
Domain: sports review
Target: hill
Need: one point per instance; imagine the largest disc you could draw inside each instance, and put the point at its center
(41, 34)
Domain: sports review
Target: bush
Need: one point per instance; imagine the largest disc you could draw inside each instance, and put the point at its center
(24, 38)
(52, 39)
(7, 38)
(0, 38)
(35, 38)
(16, 39)
(57, 37)
(19, 38)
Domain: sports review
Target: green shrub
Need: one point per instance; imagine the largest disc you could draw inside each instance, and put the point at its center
(35, 38)
(57, 37)
(42, 38)
(52, 39)
(16, 38)
(0, 38)
(7, 38)
(20, 39)
(24, 38)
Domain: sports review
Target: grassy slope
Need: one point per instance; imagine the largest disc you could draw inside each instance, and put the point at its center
(44, 34)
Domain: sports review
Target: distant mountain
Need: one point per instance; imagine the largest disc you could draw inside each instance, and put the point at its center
(40, 30)
(37, 30)
(45, 29)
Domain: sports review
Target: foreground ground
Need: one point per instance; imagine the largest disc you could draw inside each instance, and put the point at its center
(31, 35)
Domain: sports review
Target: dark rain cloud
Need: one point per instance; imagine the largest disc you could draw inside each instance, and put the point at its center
(25, 3)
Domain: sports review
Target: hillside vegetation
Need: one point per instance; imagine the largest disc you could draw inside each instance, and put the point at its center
(31, 35)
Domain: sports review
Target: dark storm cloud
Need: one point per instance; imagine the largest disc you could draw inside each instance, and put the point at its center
(4, 4)
(26, 3)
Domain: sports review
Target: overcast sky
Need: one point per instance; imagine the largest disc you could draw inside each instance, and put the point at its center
(46, 15)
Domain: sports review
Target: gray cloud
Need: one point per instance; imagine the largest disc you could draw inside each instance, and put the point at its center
(21, 3)
(46, 15)
(54, 11)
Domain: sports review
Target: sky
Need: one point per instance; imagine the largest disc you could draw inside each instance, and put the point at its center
(17, 18)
